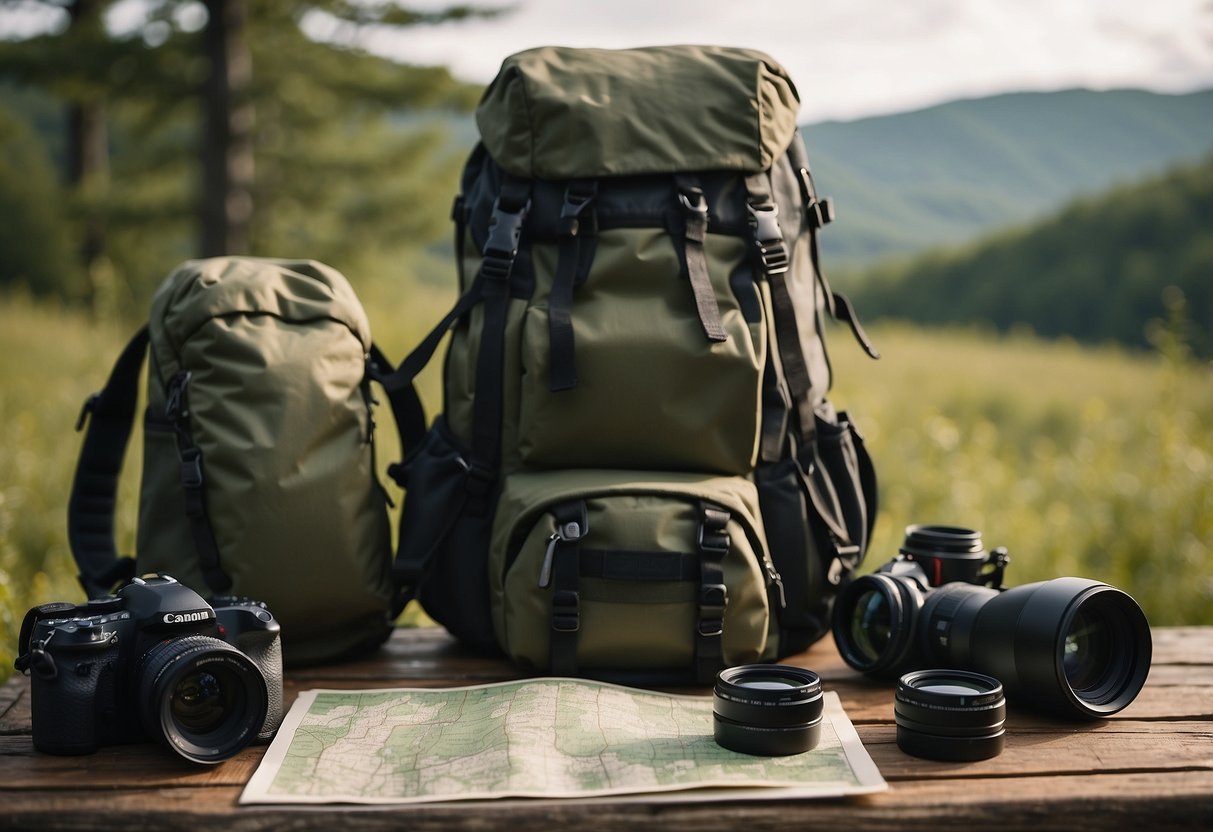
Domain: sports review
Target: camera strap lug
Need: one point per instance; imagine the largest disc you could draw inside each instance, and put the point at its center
(25, 648)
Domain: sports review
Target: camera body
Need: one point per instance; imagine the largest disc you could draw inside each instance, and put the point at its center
(1073, 647)
(153, 661)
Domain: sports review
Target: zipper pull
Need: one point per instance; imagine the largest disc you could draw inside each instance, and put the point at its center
(175, 406)
(545, 570)
(775, 578)
(569, 532)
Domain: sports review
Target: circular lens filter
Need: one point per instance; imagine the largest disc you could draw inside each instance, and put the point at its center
(950, 715)
(768, 710)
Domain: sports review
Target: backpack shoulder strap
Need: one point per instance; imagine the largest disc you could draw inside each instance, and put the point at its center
(110, 414)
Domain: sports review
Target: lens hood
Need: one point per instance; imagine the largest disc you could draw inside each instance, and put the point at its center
(767, 710)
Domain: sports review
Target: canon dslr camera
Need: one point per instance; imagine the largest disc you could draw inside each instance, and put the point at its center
(154, 661)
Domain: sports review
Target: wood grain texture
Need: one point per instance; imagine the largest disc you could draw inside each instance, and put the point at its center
(1151, 766)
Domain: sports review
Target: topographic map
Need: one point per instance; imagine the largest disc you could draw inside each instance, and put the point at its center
(566, 738)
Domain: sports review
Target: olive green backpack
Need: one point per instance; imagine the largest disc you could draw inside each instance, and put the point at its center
(259, 472)
(637, 473)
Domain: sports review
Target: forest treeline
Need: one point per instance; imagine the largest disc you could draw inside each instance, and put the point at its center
(1108, 268)
(128, 145)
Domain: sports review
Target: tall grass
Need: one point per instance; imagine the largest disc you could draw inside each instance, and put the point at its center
(1088, 462)
(1082, 461)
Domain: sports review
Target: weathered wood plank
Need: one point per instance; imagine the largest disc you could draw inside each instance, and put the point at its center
(1059, 749)
(1150, 766)
(1180, 800)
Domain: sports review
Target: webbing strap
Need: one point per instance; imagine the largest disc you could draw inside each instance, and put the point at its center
(772, 260)
(193, 485)
(406, 405)
(695, 214)
(572, 520)
(714, 545)
(576, 234)
(496, 267)
(90, 508)
(820, 212)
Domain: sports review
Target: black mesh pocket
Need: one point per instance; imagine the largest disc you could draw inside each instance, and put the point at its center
(444, 536)
(818, 513)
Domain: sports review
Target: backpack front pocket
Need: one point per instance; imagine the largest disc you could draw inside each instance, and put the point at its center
(652, 391)
(629, 575)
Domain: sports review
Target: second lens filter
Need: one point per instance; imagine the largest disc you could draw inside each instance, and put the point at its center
(950, 715)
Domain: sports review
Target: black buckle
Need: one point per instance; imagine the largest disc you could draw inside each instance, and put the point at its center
(764, 219)
(577, 197)
(820, 213)
(191, 468)
(714, 541)
(710, 627)
(768, 239)
(566, 611)
(693, 201)
(501, 247)
(505, 230)
(175, 407)
(713, 598)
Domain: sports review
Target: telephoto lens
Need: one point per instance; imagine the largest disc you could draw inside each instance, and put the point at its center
(950, 715)
(767, 710)
(1072, 647)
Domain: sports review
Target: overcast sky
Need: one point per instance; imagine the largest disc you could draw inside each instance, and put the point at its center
(849, 58)
(852, 58)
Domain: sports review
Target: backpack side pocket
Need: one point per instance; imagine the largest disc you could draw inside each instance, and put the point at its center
(444, 536)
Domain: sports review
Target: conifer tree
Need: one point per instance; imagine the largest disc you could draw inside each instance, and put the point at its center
(230, 131)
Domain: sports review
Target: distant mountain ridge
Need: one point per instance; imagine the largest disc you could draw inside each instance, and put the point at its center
(1101, 269)
(946, 174)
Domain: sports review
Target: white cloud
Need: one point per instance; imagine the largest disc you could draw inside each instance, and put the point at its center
(855, 57)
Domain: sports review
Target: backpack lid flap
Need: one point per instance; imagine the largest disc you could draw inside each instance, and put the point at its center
(294, 290)
(562, 113)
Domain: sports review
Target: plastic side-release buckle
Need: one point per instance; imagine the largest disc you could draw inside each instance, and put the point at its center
(505, 234)
(768, 238)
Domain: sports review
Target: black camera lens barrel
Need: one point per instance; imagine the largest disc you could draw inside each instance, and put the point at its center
(1073, 647)
(767, 710)
(874, 623)
(201, 697)
(952, 715)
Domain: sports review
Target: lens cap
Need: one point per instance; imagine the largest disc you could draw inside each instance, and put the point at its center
(950, 715)
(767, 710)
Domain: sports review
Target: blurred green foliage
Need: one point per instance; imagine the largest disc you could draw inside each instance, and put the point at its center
(353, 163)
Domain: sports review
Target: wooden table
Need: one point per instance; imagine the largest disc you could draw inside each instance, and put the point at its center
(1150, 767)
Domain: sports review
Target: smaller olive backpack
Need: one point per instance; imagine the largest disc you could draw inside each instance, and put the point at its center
(259, 475)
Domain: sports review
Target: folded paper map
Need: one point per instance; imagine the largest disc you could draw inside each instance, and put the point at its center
(550, 738)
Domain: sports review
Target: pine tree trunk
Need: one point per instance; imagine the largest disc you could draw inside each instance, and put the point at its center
(88, 161)
(227, 139)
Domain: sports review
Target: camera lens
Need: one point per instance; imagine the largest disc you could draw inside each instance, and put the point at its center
(768, 710)
(947, 553)
(950, 715)
(874, 623)
(1070, 646)
(202, 697)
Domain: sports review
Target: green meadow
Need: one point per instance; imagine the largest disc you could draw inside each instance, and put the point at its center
(1084, 461)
